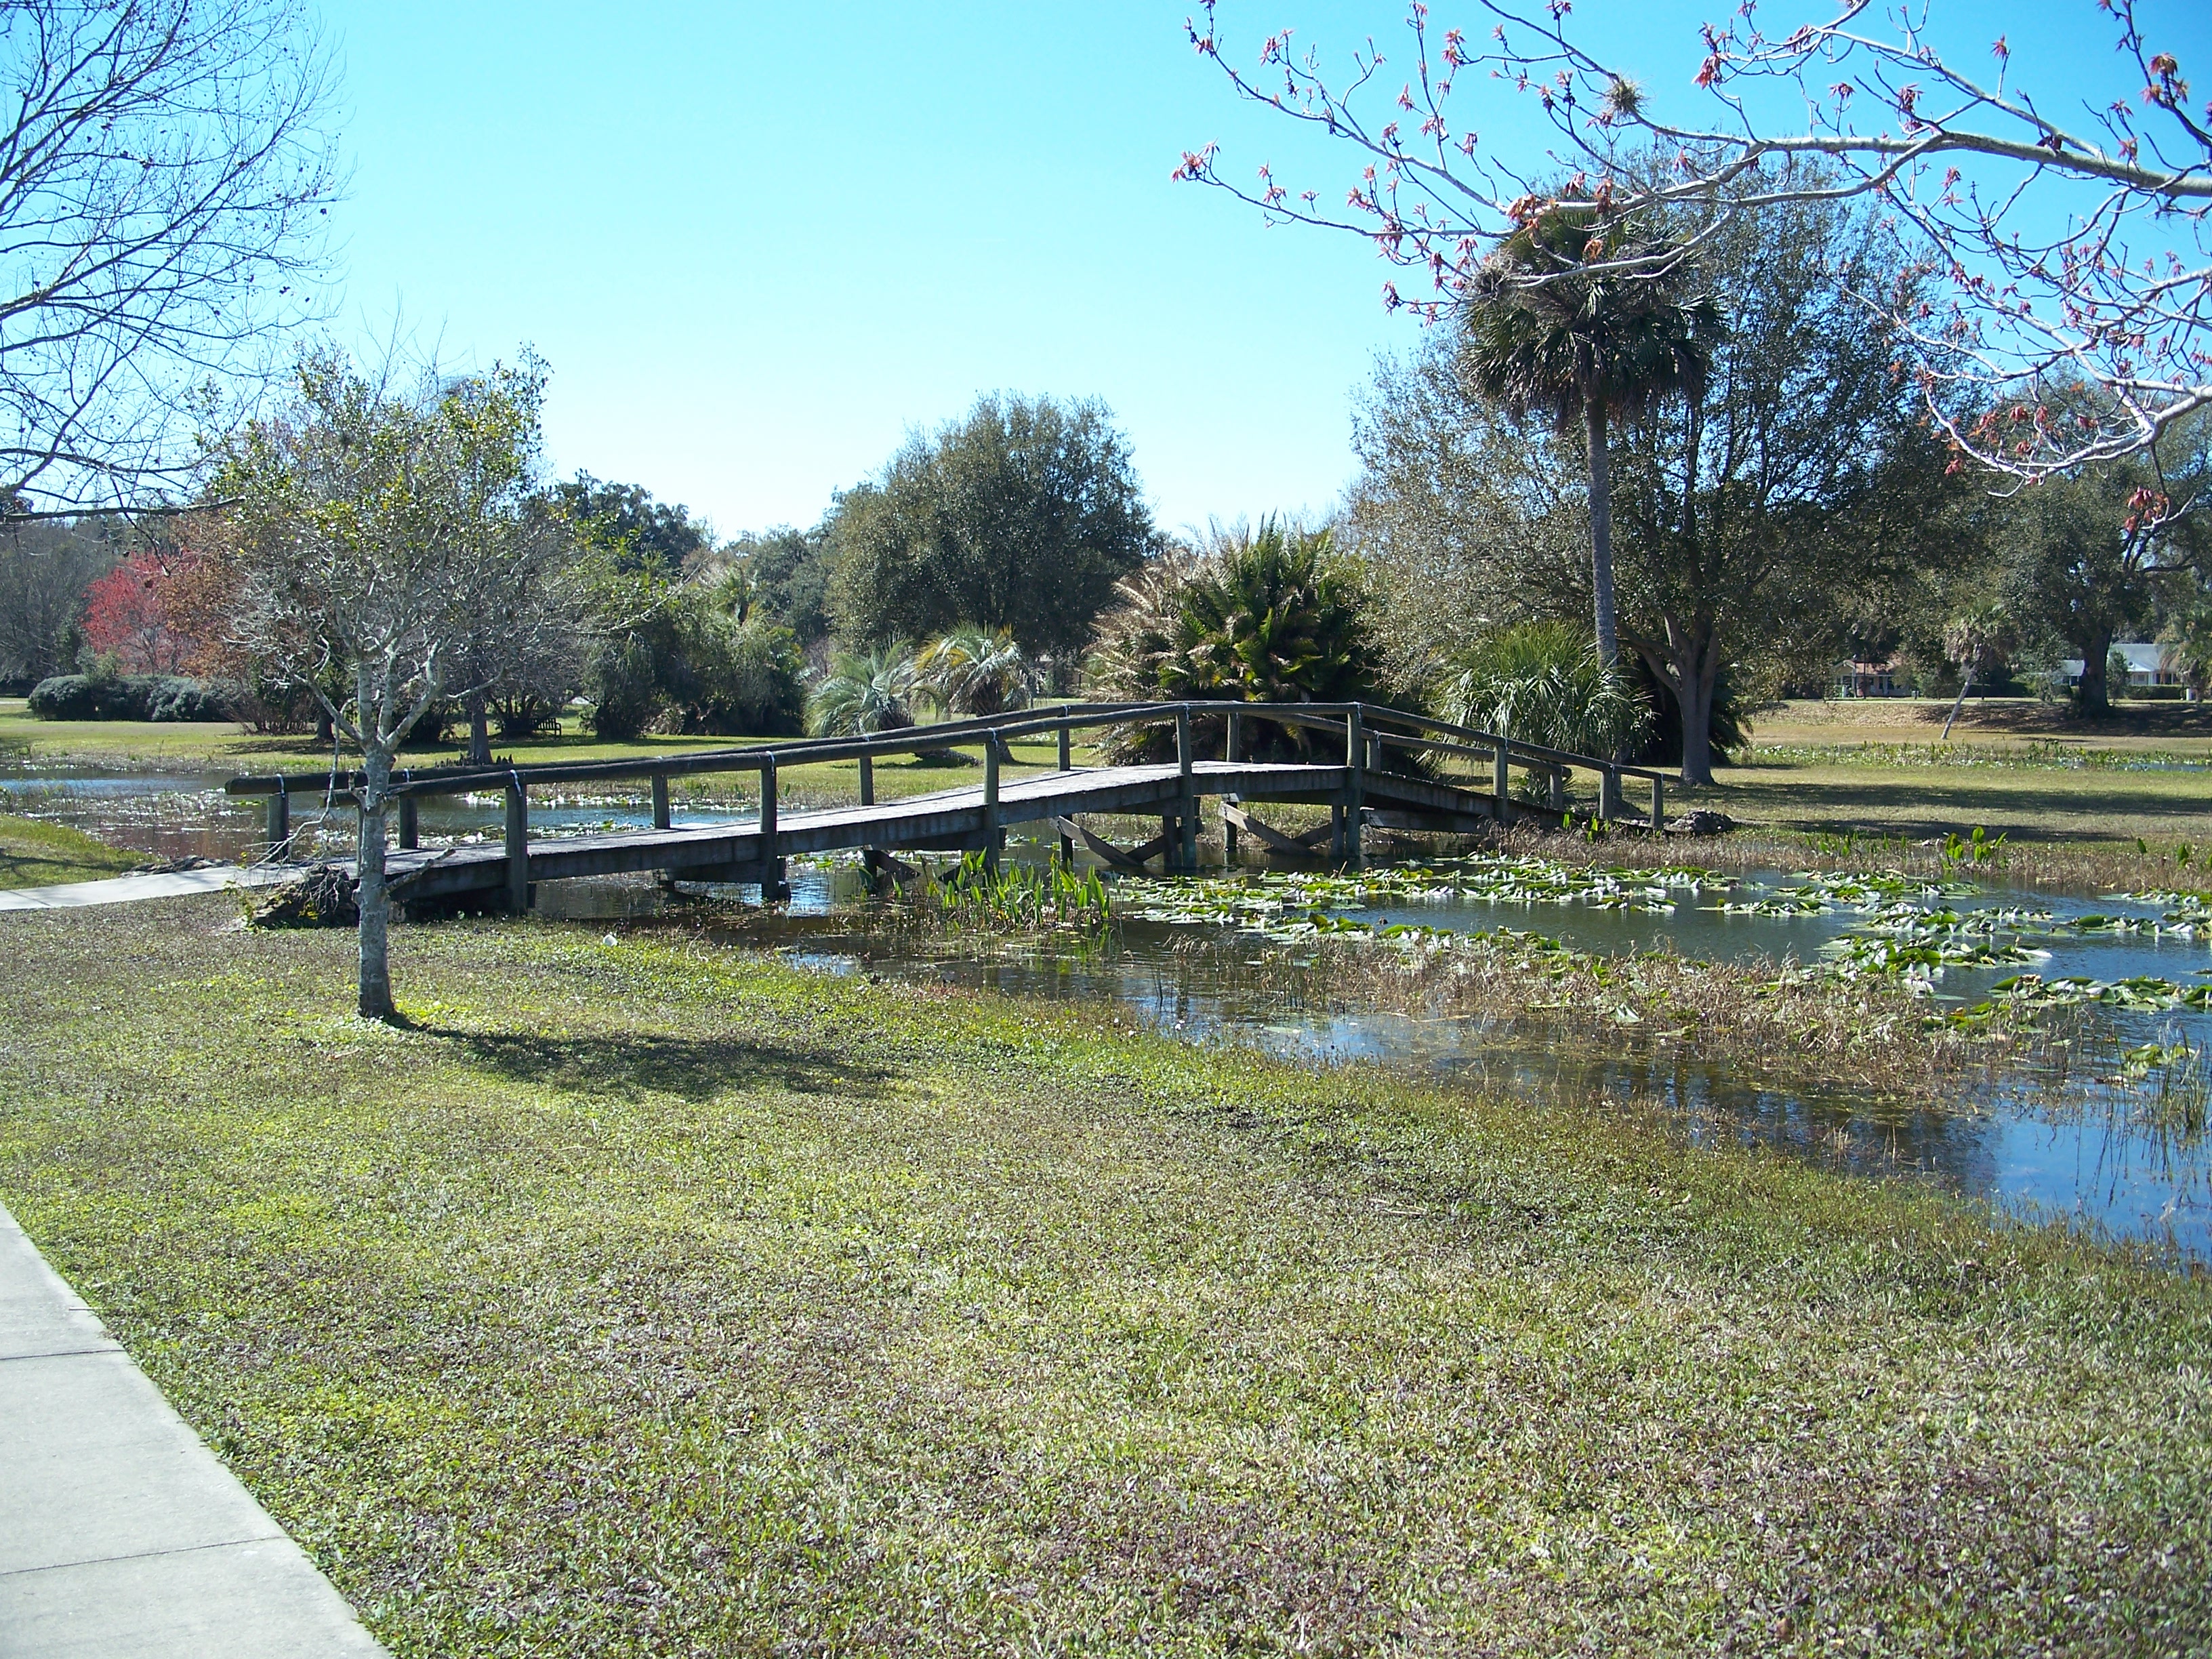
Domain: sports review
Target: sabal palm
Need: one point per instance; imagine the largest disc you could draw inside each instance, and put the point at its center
(973, 671)
(863, 695)
(1543, 333)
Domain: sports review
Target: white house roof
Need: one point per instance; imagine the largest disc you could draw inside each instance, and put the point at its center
(2143, 657)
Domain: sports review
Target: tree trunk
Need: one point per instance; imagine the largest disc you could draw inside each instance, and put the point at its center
(1960, 702)
(479, 732)
(1601, 511)
(375, 897)
(1696, 701)
(2096, 691)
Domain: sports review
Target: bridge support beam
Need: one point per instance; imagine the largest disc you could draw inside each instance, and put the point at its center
(1185, 856)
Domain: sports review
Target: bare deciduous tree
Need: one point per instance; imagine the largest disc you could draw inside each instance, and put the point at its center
(164, 187)
(2071, 251)
(373, 528)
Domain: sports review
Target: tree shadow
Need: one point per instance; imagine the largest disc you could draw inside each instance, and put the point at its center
(692, 1068)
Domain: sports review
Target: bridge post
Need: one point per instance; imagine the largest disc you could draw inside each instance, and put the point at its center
(773, 885)
(991, 804)
(410, 827)
(1608, 794)
(1658, 806)
(1066, 758)
(1555, 788)
(662, 818)
(279, 819)
(1230, 743)
(1501, 779)
(1355, 788)
(1186, 852)
(518, 845)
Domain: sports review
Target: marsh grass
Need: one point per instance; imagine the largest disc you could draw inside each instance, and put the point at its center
(650, 1298)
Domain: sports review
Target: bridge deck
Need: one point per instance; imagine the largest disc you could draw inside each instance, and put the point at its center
(949, 820)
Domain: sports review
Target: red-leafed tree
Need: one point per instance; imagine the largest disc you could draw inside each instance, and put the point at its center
(127, 614)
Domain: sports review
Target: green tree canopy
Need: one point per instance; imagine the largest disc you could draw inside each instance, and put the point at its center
(1753, 524)
(1023, 516)
(1548, 328)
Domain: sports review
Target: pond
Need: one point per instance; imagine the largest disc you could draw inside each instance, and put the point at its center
(2090, 1158)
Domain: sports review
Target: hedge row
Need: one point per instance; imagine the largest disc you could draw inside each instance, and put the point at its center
(129, 697)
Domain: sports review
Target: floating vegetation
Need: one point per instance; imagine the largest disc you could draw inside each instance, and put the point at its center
(1269, 901)
(2143, 993)
(1909, 929)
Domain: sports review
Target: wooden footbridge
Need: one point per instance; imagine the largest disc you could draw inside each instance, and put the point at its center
(1370, 766)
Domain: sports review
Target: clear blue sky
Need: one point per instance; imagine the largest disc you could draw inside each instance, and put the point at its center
(758, 242)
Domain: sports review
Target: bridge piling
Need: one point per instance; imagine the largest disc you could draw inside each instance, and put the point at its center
(1355, 788)
(1501, 779)
(662, 818)
(518, 845)
(1066, 743)
(773, 885)
(990, 831)
(410, 827)
(1185, 855)
(278, 820)
(1231, 742)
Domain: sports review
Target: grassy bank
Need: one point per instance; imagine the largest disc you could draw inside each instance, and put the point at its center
(650, 1298)
(37, 855)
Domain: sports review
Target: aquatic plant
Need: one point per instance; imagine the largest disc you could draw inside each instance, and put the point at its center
(1022, 897)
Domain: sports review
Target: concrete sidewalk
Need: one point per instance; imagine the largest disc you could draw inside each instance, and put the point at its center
(122, 889)
(122, 1536)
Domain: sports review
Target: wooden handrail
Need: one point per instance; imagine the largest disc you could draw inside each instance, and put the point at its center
(990, 729)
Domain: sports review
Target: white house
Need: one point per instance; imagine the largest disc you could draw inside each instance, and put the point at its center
(2148, 664)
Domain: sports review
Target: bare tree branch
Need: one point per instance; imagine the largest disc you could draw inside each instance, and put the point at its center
(164, 184)
(2071, 254)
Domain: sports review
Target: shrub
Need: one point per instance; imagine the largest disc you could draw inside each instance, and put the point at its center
(750, 683)
(1542, 683)
(972, 672)
(864, 695)
(102, 697)
(1275, 616)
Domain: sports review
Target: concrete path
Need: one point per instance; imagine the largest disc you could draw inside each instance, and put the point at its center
(121, 1534)
(122, 889)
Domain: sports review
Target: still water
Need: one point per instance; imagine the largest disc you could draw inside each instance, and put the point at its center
(2083, 1154)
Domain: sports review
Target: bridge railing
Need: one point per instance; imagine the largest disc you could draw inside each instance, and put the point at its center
(1369, 730)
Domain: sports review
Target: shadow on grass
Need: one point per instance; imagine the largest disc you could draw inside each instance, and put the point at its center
(695, 1069)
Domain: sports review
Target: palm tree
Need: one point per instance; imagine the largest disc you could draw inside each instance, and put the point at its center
(972, 671)
(1543, 333)
(864, 695)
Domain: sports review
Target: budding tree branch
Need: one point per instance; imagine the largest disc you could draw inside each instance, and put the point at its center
(2066, 254)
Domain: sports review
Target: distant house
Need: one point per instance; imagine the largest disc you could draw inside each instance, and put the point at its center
(2149, 665)
(1861, 678)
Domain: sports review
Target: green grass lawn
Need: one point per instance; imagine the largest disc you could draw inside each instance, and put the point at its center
(2026, 802)
(37, 855)
(649, 1297)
